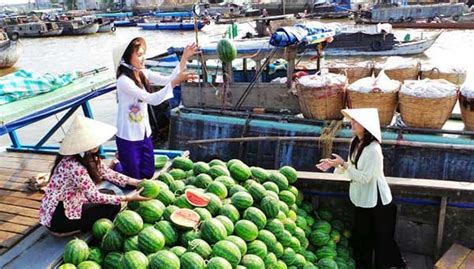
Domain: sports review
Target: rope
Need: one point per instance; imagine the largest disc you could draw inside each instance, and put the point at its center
(327, 137)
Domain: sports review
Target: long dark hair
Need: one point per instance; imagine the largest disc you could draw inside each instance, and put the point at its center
(357, 146)
(133, 47)
(90, 161)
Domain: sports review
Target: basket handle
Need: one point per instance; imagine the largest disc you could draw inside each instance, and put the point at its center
(435, 70)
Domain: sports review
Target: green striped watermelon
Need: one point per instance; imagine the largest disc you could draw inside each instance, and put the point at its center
(239, 242)
(168, 211)
(182, 202)
(233, 161)
(201, 247)
(217, 162)
(131, 243)
(151, 188)
(326, 252)
(177, 187)
(150, 240)
(215, 204)
(295, 244)
(284, 207)
(192, 260)
(246, 229)
(258, 248)
(240, 171)
(160, 161)
(128, 222)
(289, 225)
(177, 173)
(337, 225)
(309, 256)
(287, 197)
(251, 261)
(113, 260)
(291, 214)
(218, 189)
(256, 216)
(200, 168)
(76, 251)
(166, 178)
(226, 50)
(279, 179)
(95, 254)
(164, 259)
(319, 238)
(327, 263)
(341, 263)
(231, 212)
(182, 163)
(259, 174)
(257, 191)
(289, 256)
(101, 227)
(324, 215)
(242, 200)
(281, 265)
(213, 230)
(227, 181)
(166, 197)
(88, 265)
(178, 250)
(204, 214)
(112, 241)
(218, 263)
(228, 224)
(271, 186)
(236, 188)
(300, 260)
(228, 251)
(67, 266)
(169, 232)
(295, 192)
(270, 260)
(267, 237)
(189, 236)
(150, 211)
(202, 181)
(322, 226)
(217, 171)
(275, 226)
(134, 260)
(290, 173)
(278, 249)
(270, 206)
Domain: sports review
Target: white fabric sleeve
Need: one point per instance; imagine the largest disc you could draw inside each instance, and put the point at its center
(127, 86)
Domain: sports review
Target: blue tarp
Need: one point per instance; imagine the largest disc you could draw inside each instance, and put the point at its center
(24, 84)
(302, 34)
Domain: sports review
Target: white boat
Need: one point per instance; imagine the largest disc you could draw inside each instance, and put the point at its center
(10, 50)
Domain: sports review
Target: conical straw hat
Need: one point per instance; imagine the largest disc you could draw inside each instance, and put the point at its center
(368, 118)
(85, 134)
(118, 51)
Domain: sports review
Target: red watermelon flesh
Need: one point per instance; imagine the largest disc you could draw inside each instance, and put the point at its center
(185, 217)
(197, 198)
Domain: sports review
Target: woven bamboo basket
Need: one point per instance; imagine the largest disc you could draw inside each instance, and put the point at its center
(430, 113)
(353, 73)
(453, 77)
(323, 103)
(467, 111)
(386, 103)
(401, 74)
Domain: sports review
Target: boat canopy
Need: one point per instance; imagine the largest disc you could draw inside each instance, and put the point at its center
(303, 34)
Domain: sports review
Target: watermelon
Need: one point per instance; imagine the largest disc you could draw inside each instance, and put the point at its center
(289, 225)
(75, 252)
(258, 248)
(166, 178)
(177, 187)
(239, 242)
(197, 198)
(164, 259)
(251, 261)
(101, 227)
(308, 207)
(256, 216)
(217, 162)
(246, 229)
(218, 263)
(300, 260)
(327, 263)
(279, 179)
(178, 250)
(185, 218)
(275, 226)
(267, 237)
(289, 256)
(177, 174)
(182, 163)
(166, 197)
(169, 232)
(189, 236)
(309, 221)
(150, 240)
(309, 256)
(213, 230)
(227, 250)
(67, 266)
(182, 202)
(257, 191)
(88, 265)
(335, 236)
(134, 260)
(295, 244)
(259, 174)
(284, 238)
(284, 207)
(201, 247)
(319, 238)
(227, 181)
(112, 241)
(228, 224)
(202, 181)
(240, 171)
(347, 234)
(278, 249)
(204, 214)
(287, 197)
(236, 188)
(242, 200)
(151, 211)
(217, 171)
(168, 211)
(322, 226)
(131, 243)
(95, 255)
(291, 214)
(200, 168)
(113, 260)
(151, 188)
(281, 265)
(215, 204)
(281, 216)
(270, 206)
(160, 161)
(343, 252)
(326, 252)
(218, 189)
(270, 260)
(271, 186)
(324, 215)
(231, 212)
(295, 192)
(331, 244)
(233, 161)
(337, 225)
(341, 263)
(192, 260)
(290, 173)
(129, 222)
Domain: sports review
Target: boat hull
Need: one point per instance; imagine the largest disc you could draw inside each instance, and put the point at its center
(87, 29)
(442, 25)
(10, 52)
(105, 27)
(170, 26)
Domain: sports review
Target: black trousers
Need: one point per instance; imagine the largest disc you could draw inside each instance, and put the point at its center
(90, 213)
(373, 235)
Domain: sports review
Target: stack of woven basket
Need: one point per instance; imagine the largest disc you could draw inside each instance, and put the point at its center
(466, 102)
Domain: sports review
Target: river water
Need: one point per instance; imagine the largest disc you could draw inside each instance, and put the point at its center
(84, 53)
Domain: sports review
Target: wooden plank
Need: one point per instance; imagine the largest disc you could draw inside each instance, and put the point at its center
(3, 250)
(13, 227)
(28, 165)
(26, 212)
(32, 156)
(13, 186)
(7, 239)
(20, 201)
(441, 220)
(453, 258)
(468, 262)
(6, 173)
(37, 196)
(14, 179)
(12, 218)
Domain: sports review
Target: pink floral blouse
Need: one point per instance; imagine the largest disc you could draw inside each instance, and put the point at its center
(71, 184)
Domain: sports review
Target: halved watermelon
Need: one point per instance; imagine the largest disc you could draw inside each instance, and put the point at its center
(197, 198)
(185, 218)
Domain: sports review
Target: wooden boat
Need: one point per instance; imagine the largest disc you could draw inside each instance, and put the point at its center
(128, 22)
(10, 50)
(79, 27)
(433, 25)
(105, 25)
(173, 21)
(21, 27)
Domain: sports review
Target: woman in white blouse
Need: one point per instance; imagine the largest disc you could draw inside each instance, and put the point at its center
(134, 143)
(375, 214)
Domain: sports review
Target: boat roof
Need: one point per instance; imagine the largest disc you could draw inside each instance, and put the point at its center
(173, 14)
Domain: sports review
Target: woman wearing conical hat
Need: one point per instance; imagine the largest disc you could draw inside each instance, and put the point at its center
(72, 201)
(374, 218)
(134, 142)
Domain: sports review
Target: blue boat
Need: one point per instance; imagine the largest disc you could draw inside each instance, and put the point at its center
(173, 26)
(128, 22)
(114, 15)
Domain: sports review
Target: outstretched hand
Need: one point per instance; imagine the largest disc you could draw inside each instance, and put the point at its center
(182, 76)
(189, 51)
(325, 164)
(136, 196)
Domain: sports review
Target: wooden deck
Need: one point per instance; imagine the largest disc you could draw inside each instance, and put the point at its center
(18, 205)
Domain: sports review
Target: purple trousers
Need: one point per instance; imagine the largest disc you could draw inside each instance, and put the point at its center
(136, 157)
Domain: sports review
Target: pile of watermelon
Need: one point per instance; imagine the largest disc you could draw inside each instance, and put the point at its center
(217, 215)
